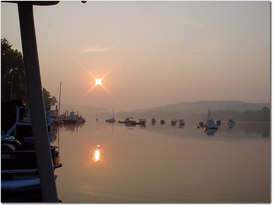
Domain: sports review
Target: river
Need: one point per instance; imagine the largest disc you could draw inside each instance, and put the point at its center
(112, 163)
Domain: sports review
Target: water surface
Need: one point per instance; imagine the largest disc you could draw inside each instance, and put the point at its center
(163, 164)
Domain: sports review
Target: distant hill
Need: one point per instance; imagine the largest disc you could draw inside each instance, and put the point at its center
(204, 106)
(223, 110)
(198, 110)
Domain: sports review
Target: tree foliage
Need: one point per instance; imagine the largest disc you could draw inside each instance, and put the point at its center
(13, 76)
(49, 101)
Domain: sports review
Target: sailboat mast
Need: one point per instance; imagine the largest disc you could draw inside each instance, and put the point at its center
(60, 98)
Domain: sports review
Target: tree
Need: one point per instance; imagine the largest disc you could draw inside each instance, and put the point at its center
(49, 101)
(13, 76)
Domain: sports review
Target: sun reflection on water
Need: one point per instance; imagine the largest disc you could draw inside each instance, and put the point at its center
(97, 154)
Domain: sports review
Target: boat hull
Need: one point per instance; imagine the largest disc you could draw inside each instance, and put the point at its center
(69, 121)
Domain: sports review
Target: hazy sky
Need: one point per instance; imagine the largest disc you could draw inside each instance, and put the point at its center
(150, 53)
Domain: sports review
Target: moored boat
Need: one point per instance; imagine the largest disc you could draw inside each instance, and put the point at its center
(218, 122)
(210, 124)
(142, 121)
(130, 121)
(71, 118)
(200, 124)
(173, 122)
(181, 122)
(111, 120)
(230, 123)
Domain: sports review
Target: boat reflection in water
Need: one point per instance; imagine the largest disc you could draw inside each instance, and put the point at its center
(72, 127)
(97, 154)
(210, 132)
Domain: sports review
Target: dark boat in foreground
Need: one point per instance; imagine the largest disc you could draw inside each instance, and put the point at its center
(20, 181)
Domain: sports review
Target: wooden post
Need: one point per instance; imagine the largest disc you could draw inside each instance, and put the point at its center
(37, 108)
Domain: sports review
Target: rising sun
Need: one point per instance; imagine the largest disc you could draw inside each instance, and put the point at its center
(98, 81)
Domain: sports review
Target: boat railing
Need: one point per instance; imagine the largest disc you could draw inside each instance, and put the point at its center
(25, 171)
(23, 118)
(19, 171)
(23, 114)
(11, 130)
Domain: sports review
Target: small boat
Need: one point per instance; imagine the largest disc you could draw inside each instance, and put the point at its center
(111, 120)
(173, 122)
(71, 118)
(126, 120)
(218, 122)
(200, 124)
(210, 123)
(181, 122)
(130, 122)
(230, 123)
(162, 122)
(142, 121)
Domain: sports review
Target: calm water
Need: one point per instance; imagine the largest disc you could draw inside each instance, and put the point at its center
(165, 164)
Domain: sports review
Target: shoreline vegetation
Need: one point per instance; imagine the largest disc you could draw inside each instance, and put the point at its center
(13, 77)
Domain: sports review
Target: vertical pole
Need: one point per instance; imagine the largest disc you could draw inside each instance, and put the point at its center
(37, 108)
(11, 85)
(60, 98)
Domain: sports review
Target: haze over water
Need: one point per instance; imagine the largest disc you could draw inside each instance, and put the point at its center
(138, 55)
(163, 163)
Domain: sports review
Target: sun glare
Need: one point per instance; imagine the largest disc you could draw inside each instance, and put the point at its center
(95, 83)
(97, 154)
(98, 81)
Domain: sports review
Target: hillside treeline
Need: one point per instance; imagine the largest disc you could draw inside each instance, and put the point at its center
(260, 115)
